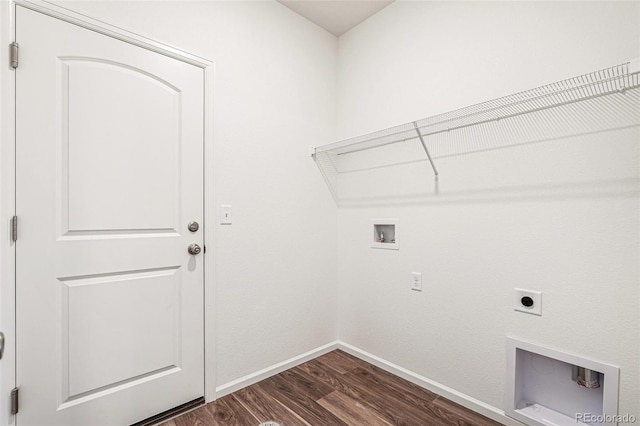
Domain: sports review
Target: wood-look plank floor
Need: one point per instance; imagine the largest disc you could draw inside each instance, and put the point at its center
(334, 389)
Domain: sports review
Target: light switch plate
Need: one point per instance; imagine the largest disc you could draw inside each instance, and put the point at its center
(225, 214)
(416, 281)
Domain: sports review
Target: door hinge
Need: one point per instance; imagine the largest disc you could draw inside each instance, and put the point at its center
(14, 228)
(14, 54)
(14, 400)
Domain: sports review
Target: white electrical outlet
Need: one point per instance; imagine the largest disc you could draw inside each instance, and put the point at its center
(225, 214)
(528, 301)
(416, 281)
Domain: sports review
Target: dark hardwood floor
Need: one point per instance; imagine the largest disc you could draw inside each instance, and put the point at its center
(334, 389)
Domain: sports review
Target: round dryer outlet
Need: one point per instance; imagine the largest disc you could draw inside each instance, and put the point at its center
(528, 301)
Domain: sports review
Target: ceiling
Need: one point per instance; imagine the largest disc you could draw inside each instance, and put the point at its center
(336, 16)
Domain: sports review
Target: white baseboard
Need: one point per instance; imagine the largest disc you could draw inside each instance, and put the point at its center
(435, 387)
(252, 378)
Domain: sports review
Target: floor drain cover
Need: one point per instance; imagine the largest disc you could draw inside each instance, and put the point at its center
(269, 423)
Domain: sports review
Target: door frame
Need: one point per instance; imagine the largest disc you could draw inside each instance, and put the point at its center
(8, 187)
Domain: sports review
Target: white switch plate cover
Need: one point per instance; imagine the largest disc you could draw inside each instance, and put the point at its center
(416, 281)
(535, 309)
(225, 214)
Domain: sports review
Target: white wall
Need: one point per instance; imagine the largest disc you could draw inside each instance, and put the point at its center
(274, 97)
(561, 217)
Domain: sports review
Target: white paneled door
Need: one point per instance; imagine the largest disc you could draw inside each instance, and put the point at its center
(109, 142)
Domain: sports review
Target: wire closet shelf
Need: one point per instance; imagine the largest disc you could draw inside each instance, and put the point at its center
(613, 80)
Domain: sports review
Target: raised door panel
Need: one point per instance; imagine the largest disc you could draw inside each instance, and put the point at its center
(108, 341)
(120, 143)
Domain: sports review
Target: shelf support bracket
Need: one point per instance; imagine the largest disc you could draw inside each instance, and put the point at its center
(424, 145)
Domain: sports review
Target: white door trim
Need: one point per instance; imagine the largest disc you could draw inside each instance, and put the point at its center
(68, 15)
(7, 209)
(7, 183)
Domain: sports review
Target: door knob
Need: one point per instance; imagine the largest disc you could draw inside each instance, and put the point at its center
(194, 249)
(193, 226)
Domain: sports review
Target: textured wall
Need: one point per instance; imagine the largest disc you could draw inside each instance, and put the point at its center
(560, 216)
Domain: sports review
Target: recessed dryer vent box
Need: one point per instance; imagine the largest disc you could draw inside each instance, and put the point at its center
(543, 387)
(385, 234)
